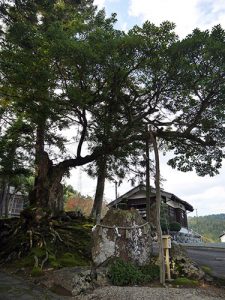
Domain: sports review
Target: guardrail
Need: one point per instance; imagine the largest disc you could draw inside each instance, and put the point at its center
(205, 245)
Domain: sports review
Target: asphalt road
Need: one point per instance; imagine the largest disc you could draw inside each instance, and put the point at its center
(213, 258)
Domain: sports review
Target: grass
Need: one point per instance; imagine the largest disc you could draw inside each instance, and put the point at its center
(183, 281)
(207, 270)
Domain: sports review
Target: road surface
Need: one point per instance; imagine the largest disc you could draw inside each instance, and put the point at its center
(211, 257)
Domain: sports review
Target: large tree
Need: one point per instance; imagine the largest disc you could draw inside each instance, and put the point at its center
(63, 65)
(188, 77)
(14, 161)
(182, 82)
(48, 63)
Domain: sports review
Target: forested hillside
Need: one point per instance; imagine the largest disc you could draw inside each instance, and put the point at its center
(210, 226)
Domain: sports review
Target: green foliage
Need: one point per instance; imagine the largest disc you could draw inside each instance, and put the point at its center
(210, 227)
(53, 262)
(175, 226)
(164, 218)
(185, 282)
(150, 272)
(164, 226)
(66, 62)
(38, 252)
(69, 191)
(125, 273)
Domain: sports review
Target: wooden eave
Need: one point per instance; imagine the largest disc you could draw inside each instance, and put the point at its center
(141, 187)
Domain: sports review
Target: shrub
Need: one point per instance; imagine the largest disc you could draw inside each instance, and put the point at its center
(125, 273)
(151, 272)
(164, 226)
(174, 226)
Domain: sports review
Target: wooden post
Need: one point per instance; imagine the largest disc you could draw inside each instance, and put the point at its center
(166, 246)
(158, 205)
(167, 260)
(147, 170)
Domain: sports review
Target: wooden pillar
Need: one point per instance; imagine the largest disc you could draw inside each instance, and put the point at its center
(167, 261)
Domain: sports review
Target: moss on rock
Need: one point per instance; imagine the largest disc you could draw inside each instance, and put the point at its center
(72, 260)
(36, 272)
(122, 217)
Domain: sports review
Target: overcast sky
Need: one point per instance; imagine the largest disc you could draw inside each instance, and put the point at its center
(207, 194)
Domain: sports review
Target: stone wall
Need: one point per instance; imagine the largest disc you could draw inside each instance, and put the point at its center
(186, 238)
(123, 234)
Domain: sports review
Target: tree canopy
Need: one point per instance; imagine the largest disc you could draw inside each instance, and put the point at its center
(64, 66)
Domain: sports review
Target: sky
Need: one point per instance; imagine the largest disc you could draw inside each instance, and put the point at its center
(205, 194)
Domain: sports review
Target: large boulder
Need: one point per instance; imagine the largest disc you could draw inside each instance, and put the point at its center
(72, 281)
(124, 234)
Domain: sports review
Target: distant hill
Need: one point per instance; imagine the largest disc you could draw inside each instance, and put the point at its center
(210, 226)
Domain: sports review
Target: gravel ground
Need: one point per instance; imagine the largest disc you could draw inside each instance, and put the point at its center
(149, 293)
(15, 288)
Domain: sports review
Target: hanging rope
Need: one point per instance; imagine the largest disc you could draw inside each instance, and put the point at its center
(119, 227)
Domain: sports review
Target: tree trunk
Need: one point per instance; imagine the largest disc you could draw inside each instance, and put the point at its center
(56, 201)
(97, 206)
(48, 191)
(158, 205)
(6, 200)
(4, 209)
(147, 170)
(1, 198)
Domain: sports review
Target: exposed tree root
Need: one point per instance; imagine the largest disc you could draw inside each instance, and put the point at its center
(46, 243)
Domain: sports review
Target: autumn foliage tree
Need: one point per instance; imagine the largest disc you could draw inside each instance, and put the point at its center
(82, 204)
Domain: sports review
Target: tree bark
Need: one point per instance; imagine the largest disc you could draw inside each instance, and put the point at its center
(150, 201)
(147, 170)
(56, 202)
(6, 200)
(97, 206)
(4, 210)
(158, 205)
(1, 197)
(48, 191)
(47, 181)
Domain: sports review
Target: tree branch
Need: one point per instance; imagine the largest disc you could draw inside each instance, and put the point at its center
(83, 133)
